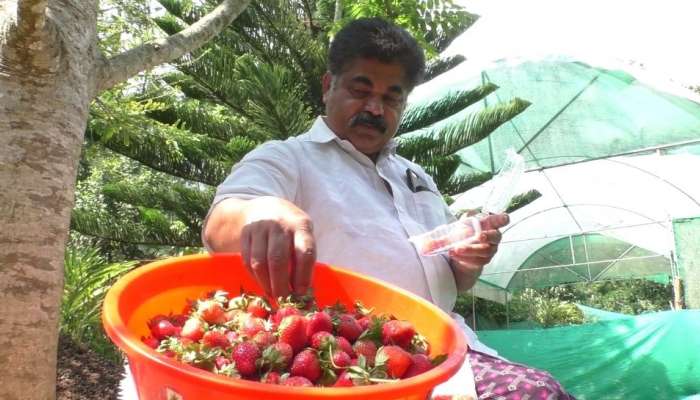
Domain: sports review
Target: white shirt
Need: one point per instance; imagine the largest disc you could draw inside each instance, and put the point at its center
(345, 195)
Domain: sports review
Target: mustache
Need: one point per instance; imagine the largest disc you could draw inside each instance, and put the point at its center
(366, 118)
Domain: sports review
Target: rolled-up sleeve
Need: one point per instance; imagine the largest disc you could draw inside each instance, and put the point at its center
(269, 170)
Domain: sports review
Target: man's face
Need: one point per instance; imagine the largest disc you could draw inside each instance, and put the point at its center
(364, 103)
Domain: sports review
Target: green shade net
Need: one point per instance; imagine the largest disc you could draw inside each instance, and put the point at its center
(578, 112)
(652, 356)
(590, 257)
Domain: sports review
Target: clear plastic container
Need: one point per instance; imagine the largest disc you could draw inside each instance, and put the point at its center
(444, 237)
(441, 239)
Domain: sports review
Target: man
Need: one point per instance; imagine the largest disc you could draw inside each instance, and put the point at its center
(340, 192)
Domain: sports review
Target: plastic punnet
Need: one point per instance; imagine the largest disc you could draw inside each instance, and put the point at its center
(441, 239)
(444, 237)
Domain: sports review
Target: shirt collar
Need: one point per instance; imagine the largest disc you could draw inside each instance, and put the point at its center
(320, 132)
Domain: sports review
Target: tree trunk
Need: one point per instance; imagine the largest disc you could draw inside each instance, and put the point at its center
(44, 100)
(50, 69)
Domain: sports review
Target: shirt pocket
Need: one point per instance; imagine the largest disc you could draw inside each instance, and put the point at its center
(432, 210)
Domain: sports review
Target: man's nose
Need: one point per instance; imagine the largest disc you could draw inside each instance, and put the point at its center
(374, 105)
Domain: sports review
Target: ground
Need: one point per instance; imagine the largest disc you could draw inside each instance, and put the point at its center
(85, 375)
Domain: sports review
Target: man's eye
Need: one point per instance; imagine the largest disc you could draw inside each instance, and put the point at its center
(392, 101)
(359, 93)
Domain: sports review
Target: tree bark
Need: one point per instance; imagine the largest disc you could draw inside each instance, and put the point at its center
(50, 70)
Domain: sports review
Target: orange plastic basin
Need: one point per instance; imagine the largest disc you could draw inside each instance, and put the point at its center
(162, 287)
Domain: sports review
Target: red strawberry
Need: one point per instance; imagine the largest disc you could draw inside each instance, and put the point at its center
(344, 345)
(212, 312)
(341, 359)
(245, 355)
(278, 356)
(251, 325)
(365, 348)
(344, 380)
(318, 322)
(396, 360)
(162, 328)
(178, 319)
(221, 361)
(296, 381)
(364, 322)
(348, 327)
(421, 363)
(213, 339)
(232, 336)
(292, 330)
(322, 339)
(398, 332)
(151, 342)
(264, 339)
(258, 307)
(272, 377)
(283, 312)
(193, 329)
(306, 364)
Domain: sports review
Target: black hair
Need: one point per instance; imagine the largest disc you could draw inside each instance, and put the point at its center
(378, 39)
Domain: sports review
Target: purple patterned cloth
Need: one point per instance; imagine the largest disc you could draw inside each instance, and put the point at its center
(497, 379)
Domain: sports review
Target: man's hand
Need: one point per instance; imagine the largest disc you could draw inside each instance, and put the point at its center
(468, 260)
(275, 239)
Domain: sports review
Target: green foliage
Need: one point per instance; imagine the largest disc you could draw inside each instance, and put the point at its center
(433, 23)
(555, 306)
(88, 276)
(545, 307)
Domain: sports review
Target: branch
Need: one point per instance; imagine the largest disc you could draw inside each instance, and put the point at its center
(31, 17)
(127, 64)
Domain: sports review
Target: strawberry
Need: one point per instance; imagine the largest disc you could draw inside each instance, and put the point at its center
(272, 377)
(264, 339)
(232, 336)
(306, 364)
(296, 381)
(214, 339)
(151, 342)
(322, 339)
(365, 348)
(420, 363)
(245, 355)
(397, 332)
(178, 319)
(364, 322)
(340, 359)
(277, 356)
(348, 327)
(258, 307)
(395, 359)
(344, 345)
(344, 380)
(161, 327)
(251, 325)
(220, 362)
(292, 330)
(212, 312)
(283, 312)
(318, 322)
(193, 329)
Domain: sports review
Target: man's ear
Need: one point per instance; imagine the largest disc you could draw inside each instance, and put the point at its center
(326, 83)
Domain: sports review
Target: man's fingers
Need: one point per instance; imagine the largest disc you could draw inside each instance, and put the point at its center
(495, 221)
(479, 250)
(278, 261)
(258, 258)
(492, 236)
(304, 259)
